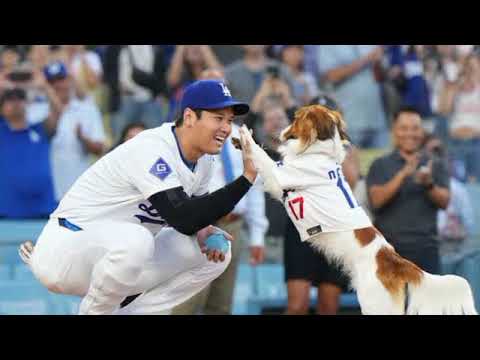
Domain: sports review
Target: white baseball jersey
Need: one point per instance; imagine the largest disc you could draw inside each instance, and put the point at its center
(320, 199)
(116, 186)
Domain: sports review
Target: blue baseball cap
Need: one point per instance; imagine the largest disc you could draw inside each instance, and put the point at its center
(55, 71)
(211, 95)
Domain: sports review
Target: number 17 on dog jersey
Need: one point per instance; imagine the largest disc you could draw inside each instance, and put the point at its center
(328, 207)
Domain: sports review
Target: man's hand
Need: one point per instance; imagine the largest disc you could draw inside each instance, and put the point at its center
(410, 166)
(39, 81)
(212, 255)
(424, 175)
(249, 170)
(257, 255)
(375, 55)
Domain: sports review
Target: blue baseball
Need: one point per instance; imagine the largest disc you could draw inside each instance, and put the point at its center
(218, 242)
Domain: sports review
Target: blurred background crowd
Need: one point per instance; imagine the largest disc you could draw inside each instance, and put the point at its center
(64, 106)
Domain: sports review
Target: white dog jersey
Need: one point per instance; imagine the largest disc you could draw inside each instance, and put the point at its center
(116, 186)
(316, 195)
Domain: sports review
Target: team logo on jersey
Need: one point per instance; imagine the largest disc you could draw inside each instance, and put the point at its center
(226, 90)
(161, 169)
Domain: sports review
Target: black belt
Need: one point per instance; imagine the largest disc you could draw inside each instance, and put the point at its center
(68, 225)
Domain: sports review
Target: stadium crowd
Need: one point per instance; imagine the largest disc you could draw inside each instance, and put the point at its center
(64, 106)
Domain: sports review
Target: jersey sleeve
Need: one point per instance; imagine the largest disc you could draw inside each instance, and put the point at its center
(150, 171)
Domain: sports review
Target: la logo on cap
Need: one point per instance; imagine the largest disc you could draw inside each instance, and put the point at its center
(225, 89)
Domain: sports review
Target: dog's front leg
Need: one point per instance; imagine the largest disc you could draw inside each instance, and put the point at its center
(264, 165)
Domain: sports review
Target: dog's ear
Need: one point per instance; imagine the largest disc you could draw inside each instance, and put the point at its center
(341, 125)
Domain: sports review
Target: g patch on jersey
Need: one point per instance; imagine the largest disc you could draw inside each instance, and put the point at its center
(161, 169)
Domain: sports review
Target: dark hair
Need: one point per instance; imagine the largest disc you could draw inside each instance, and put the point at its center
(327, 101)
(405, 109)
(125, 131)
(179, 121)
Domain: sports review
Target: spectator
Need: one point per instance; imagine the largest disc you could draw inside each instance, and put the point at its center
(274, 120)
(404, 198)
(248, 75)
(86, 67)
(142, 85)
(129, 132)
(304, 84)
(9, 59)
(461, 101)
(228, 54)
(407, 64)
(111, 69)
(455, 224)
(217, 298)
(187, 65)
(26, 181)
(79, 134)
(348, 71)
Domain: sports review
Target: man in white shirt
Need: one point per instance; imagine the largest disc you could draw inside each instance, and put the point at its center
(124, 237)
(79, 134)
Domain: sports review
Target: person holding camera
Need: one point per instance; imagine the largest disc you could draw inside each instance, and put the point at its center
(305, 86)
(456, 222)
(348, 72)
(406, 189)
(26, 182)
(188, 63)
(247, 76)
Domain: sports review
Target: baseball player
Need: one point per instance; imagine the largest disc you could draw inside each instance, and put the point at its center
(129, 235)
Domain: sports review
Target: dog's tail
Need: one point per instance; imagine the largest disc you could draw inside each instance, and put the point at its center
(420, 292)
(440, 295)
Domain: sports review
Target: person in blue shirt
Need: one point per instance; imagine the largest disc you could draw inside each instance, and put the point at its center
(26, 181)
(414, 89)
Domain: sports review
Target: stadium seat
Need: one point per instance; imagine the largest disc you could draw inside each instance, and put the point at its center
(9, 255)
(5, 273)
(243, 289)
(15, 232)
(24, 298)
(23, 273)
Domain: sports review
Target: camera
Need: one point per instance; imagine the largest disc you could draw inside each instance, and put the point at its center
(20, 76)
(273, 71)
(21, 73)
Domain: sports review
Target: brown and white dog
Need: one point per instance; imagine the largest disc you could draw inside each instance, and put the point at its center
(385, 282)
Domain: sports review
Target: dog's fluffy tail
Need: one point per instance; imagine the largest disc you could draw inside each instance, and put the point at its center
(427, 294)
(440, 295)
